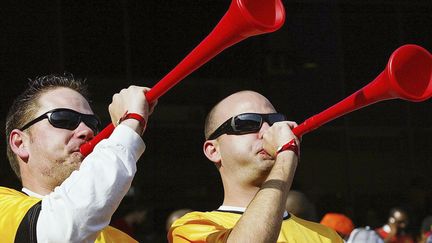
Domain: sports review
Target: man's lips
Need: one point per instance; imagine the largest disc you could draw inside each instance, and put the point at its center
(76, 152)
(263, 152)
(76, 147)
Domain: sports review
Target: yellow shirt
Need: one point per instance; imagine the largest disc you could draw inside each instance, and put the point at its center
(215, 226)
(14, 206)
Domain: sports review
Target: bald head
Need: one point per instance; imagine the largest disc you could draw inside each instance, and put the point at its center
(237, 103)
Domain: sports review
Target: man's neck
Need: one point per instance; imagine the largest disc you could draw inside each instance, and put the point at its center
(36, 186)
(239, 196)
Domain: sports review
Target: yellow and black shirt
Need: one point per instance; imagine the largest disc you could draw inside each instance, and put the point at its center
(215, 227)
(19, 214)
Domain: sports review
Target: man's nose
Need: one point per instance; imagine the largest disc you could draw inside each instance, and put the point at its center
(84, 132)
(265, 126)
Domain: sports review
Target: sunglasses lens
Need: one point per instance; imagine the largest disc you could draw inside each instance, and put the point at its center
(247, 122)
(65, 119)
(68, 119)
(92, 122)
(276, 117)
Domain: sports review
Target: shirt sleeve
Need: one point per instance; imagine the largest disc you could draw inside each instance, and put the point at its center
(83, 204)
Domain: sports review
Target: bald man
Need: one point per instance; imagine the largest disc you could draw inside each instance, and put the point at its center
(256, 154)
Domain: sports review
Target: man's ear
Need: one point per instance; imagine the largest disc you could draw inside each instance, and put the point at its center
(17, 142)
(211, 151)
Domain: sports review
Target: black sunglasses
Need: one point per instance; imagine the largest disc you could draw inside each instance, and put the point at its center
(246, 123)
(66, 119)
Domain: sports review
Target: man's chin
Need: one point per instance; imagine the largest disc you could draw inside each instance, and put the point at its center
(266, 163)
(64, 172)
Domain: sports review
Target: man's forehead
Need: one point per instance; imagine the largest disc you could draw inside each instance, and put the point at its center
(63, 98)
(242, 102)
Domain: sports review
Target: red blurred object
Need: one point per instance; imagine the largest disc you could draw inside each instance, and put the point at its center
(339, 222)
(407, 76)
(243, 19)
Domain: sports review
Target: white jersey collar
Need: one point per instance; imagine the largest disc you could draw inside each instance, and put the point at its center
(30, 193)
(240, 209)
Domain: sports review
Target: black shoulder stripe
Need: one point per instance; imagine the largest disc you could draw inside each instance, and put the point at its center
(26, 232)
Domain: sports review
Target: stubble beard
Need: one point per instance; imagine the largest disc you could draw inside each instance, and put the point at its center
(63, 168)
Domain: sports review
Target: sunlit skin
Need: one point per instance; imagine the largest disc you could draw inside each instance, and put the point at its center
(244, 159)
(49, 155)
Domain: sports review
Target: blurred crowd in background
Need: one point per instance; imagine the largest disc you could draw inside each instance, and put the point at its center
(401, 224)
